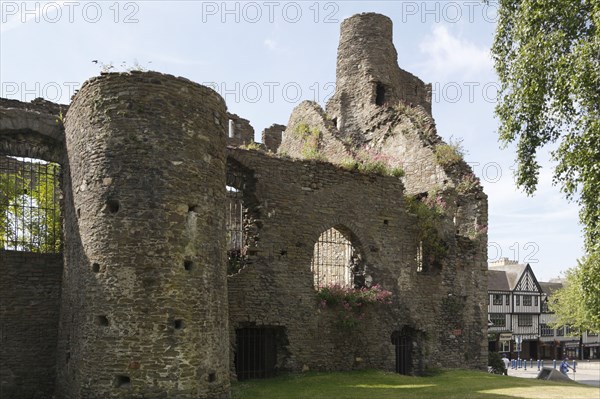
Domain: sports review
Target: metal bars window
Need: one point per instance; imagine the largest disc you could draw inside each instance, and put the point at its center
(332, 260)
(403, 351)
(236, 238)
(235, 220)
(256, 353)
(30, 218)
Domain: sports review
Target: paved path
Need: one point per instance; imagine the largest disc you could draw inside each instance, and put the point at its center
(587, 372)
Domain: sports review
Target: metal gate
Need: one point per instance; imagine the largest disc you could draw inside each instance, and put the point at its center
(403, 348)
(256, 353)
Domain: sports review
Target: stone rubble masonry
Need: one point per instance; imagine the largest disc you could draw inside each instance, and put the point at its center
(144, 226)
(145, 307)
(400, 132)
(30, 305)
(271, 137)
(367, 58)
(299, 200)
(243, 132)
(32, 129)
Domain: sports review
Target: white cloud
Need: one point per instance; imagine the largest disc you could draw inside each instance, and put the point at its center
(448, 55)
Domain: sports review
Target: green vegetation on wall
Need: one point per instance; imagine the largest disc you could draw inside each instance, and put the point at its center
(311, 137)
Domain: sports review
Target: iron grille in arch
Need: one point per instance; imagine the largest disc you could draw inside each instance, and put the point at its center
(403, 351)
(30, 218)
(332, 260)
(256, 352)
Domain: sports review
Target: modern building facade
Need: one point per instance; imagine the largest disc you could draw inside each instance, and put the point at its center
(519, 318)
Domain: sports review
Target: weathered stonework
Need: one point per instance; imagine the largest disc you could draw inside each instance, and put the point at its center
(381, 114)
(276, 289)
(271, 137)
(144, 220)
(367, 73)
(30, 305)
(32, 130)
(239, 131)
(146, 306)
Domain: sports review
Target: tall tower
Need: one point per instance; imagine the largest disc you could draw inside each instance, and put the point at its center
(144, 305)
(367, 73)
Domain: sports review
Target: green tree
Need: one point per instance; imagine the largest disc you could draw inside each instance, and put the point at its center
(577, 303)
(547, 56)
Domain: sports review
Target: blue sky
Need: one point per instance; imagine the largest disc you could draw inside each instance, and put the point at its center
(265, 57)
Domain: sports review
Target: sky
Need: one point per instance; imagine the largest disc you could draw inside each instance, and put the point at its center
(265, 57)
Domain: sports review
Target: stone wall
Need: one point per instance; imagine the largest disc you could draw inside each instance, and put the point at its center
(32, 129)
(243, 132)
(271, 137)
(380, 116)
(29, 313)
(296, 201)
(146, 304)
(311, 135)
(368, 75)
(144, 300)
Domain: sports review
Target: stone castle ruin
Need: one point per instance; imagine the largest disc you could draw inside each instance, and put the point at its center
(189, 260)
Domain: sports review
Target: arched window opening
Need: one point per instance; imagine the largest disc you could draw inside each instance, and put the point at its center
(30, 195)
(379, 94)
(242, 217)
(336, 261)
(236, 250)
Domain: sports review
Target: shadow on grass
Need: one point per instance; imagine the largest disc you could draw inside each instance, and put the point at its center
(455, 384)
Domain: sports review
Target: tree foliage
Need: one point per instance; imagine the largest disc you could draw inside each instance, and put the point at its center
(577, 304)
(547, 56)
(30, 217)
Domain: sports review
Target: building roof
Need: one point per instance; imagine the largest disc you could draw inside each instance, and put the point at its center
(550, 288)
(513, 273)
(497, 281)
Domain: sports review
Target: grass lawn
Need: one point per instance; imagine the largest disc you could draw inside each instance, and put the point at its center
(370, 384)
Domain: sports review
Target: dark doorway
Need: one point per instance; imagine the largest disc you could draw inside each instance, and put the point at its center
(403, 348)
(533, 350)
(380, 94)
(256, 352)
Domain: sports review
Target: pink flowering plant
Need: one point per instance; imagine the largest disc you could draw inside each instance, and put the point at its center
(435, 202)
(351, 302)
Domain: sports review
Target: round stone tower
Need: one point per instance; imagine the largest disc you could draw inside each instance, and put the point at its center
(144, 290)
(367, 73)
